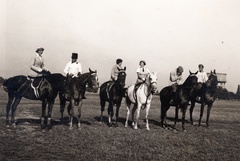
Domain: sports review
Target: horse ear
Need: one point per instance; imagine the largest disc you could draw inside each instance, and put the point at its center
(196, 73)
(125, 68)
(211, 71)
(89, 70)
(214, 71)
(190, 72)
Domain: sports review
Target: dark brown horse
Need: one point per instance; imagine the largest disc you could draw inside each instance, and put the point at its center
(77, 89)
(46, 91)
(207, 97)
(112, 92)
(180, 99)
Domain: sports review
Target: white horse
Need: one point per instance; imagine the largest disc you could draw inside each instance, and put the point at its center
(141, 99)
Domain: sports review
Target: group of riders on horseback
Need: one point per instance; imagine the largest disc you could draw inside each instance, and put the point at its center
(111, 91)
(74, 69)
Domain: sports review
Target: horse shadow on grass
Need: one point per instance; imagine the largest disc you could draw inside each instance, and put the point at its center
(105, 120)
(54, 122)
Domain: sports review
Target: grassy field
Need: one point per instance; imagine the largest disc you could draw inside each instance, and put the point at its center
(95, 141)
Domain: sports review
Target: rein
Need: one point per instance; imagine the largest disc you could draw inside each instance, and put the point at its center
(149, 94)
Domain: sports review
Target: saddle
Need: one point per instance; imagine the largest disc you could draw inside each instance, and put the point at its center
(136, 87)
(36, 84)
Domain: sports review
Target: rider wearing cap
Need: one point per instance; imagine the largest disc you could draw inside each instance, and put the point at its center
(202, 78)
(36, 71)
(37, 64)
(176, 78)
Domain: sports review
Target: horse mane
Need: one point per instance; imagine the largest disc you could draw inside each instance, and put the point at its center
(187, 82)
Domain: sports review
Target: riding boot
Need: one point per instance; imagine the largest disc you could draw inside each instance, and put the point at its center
(136, 88)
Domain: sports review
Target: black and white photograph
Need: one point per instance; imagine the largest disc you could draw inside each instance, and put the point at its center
(124, 80)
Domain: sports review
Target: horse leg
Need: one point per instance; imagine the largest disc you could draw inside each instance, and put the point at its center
(102, 109)
(208, 113)
(201, 114)
(176, 116)
(137, 116)
(162, 116)
(49, 119)
(14, 108)
(110, 114)
(44, 104)
(62, 105)
(184, 109)
(8, 107)
(71, 114)
(147, 112)
(133, 113)
(128, 104)
(191, 111)
(117, 114)
(79, 114)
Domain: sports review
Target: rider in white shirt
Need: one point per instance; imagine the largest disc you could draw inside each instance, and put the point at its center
(72, 69)
(202, 78)
(142, 73)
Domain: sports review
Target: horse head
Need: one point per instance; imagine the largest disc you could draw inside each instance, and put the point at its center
(153, 81)
(121, 77)
(92, 81)
(212, 79)
(191, 80)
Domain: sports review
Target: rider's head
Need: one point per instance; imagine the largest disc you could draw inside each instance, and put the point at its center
(40, 51)
(179, 70)
(74, 57)
(142, 63)
(200, 66)
(119, 62)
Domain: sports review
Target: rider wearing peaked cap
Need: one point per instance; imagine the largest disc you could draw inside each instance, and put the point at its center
(176, 77)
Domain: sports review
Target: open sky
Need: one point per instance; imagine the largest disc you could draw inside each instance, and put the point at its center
(164, 33)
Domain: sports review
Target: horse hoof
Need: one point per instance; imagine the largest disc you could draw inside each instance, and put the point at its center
(70, 128)
(14, 125)
(148, 129)
(116, 125)
(135, 127)
(175, 131)
(49, 127)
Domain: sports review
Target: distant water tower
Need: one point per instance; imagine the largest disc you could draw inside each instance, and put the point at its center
(222, 79)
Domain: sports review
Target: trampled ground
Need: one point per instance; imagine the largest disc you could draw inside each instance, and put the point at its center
(94, 141)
